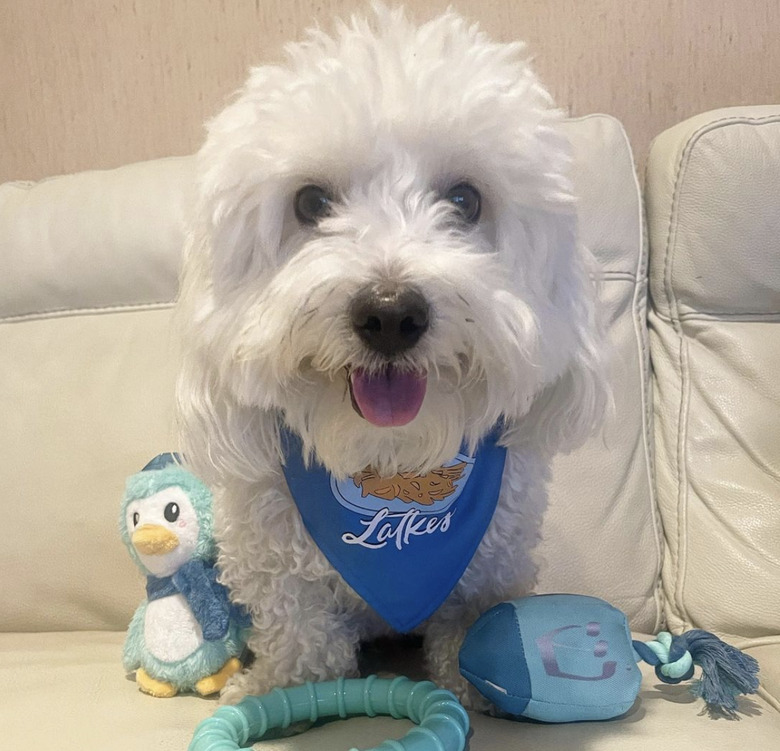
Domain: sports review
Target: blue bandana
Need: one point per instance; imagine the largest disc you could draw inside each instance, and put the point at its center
(402, 543)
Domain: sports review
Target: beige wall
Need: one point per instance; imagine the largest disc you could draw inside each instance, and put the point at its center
(92, 83)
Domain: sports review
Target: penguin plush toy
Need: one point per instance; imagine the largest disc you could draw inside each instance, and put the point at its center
(186, 635)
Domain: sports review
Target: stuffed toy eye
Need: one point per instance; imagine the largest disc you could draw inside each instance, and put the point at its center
(136, 519)
(312, 203)
(467, 200)
(171, 512)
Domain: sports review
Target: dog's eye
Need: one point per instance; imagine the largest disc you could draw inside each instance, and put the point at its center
(312, 203)
(466, 199)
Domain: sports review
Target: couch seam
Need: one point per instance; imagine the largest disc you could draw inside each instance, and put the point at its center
(704, 315)
(96, 310)
(642, 340)
(639, 303)
(639, 306)
(27, 184)
(769, 697)
(593, 116)
(681, 552)
(617, 276)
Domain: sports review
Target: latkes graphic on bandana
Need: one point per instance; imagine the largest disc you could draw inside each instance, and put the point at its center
(402, 543)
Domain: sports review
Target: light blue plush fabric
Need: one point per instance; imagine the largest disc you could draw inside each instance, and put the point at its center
(554, 658)
(223, 624)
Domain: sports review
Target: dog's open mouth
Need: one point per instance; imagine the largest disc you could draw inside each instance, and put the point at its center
(389, 398)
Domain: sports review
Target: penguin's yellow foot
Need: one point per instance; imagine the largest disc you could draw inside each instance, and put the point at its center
(213, 683)
(149, 685)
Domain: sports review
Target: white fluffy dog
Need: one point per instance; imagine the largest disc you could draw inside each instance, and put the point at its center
(385, 264)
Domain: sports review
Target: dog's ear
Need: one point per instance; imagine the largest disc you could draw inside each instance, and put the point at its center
(242, 189)
(244, 233)
(221, 439)
(566, 412)
(569, 408)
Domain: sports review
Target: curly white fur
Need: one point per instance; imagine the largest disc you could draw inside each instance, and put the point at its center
(387, 115)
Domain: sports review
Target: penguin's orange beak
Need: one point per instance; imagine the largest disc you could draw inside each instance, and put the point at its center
(152, 539)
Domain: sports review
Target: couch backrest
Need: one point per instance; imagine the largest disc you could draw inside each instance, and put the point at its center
(88, 270)
(713, 203)
(88, 273)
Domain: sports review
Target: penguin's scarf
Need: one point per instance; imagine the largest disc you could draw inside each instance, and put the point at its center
(208, 599)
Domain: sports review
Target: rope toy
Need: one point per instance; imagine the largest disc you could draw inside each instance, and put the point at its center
(673, 663)
(442, 723)
(726, 672)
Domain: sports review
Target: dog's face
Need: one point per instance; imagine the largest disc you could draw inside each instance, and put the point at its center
(386, 255)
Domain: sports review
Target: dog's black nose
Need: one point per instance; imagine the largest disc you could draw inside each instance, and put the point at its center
(389, 319)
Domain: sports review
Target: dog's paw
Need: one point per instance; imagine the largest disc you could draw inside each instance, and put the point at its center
(467, 695)
(242, 684)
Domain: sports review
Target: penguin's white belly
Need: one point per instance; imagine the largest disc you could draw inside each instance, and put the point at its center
(171, 631)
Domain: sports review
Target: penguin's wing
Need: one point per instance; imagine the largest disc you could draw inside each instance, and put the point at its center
(134, 641)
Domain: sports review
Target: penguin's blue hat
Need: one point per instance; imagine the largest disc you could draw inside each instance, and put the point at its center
(163, 460)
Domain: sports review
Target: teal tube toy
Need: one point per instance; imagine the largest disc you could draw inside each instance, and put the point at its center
(442, 723)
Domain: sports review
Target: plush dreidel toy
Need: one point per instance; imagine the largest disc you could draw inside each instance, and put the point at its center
(563, 658)
(186, 635)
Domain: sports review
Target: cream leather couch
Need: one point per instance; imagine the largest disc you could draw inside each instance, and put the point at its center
(672, 513)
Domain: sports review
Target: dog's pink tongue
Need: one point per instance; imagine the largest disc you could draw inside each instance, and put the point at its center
(389, 398)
